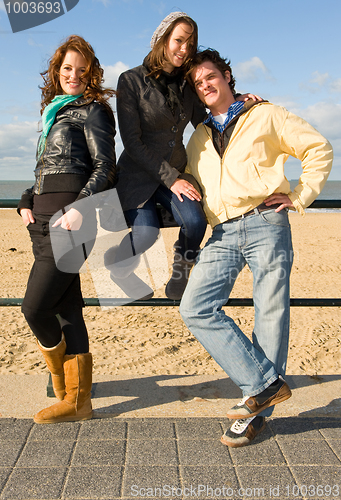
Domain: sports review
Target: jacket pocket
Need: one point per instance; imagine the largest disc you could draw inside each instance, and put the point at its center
(254, 173)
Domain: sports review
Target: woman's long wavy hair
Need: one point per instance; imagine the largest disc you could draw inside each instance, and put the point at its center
(93, 73)
(156, 57)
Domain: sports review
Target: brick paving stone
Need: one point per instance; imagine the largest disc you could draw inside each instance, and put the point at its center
(64, 431)
(151, 452)
(93, 482)
(301, 452)
(138, 479)
(204, 452)
(198, 428)
(90, 453)
(221, 478)
(270, 479)
(313, 476)
(329, 428)
(335, 445)
(102, 429)
(151, 429)
(258, 453)
(13, 429)
(4, 473)
(46, 454)
(10, 451)
(35, 483)
(290, 427)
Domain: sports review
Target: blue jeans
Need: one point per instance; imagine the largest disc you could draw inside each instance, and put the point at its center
(263, 241)
(145, 225)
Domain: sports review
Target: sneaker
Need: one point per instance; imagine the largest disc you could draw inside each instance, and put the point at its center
(242, 432)
(250, 406)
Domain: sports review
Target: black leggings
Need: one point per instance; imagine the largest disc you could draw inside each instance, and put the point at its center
(49, 330)
(53, 300)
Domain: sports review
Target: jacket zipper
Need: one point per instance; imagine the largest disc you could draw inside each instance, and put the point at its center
(42, 159)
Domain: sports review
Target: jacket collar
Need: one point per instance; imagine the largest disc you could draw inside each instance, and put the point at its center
(247, 106)
(81, 101)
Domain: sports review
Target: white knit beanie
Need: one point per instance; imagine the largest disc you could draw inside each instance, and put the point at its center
(161, 29)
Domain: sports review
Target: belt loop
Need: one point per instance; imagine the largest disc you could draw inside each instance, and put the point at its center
(256, 211)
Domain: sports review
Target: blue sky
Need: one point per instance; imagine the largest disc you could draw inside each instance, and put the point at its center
(285, 51)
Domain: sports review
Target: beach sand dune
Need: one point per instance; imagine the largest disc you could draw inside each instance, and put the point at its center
(141, 341)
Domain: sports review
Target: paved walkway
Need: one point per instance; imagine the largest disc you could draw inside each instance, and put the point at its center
(158, 437)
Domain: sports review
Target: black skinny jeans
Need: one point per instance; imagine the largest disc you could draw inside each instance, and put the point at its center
(53, 300)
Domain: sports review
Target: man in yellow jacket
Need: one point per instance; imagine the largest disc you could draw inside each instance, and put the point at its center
(237, 155)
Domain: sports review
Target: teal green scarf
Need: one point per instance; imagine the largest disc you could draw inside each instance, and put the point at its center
(49, 116)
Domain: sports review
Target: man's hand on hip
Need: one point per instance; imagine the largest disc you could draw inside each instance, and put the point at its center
(276, 198)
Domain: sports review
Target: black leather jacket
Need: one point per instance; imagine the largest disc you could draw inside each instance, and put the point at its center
(152, 136)
(79, 154)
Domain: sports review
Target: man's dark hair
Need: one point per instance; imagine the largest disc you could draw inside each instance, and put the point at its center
(214, 57)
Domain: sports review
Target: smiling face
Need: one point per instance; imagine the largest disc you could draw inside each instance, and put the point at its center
(71, 71)
(213, 87)
(177, 46)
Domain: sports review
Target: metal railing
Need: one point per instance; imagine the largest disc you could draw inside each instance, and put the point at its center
(161, 302)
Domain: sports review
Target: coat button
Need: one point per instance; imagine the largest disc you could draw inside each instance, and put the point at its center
(174, 129)
(171, 144)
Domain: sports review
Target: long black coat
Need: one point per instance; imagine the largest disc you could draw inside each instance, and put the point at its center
(152, 136)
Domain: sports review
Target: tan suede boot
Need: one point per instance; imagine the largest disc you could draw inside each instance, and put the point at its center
(54, 358)
(76, 404)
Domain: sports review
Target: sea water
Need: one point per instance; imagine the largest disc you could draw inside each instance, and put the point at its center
(14, 189)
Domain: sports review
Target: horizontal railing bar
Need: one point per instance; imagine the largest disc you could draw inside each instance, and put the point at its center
(161, 302)
(325, 204)
(12, 203)
(300, 302)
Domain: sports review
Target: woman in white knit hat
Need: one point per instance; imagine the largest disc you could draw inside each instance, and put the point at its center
(154, 106)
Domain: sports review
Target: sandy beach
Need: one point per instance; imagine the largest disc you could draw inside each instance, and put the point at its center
(153, 340)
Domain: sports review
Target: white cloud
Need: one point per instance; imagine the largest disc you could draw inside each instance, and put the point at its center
(33, 43)
(111, 73)
(160, 8)
(28, 112)
(319, 78)
(326, 117)
(251, 71)
(335, 85)
(17, 149)
(17, 135)
(104, 2)
(321, 82)
(317, 82)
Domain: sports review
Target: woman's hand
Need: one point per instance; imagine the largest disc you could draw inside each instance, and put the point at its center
(27, 216)
(183, 187)
(246, 97)
(71, 220)
(279, 198)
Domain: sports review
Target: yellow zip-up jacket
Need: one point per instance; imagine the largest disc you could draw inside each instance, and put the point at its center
(252, 167)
